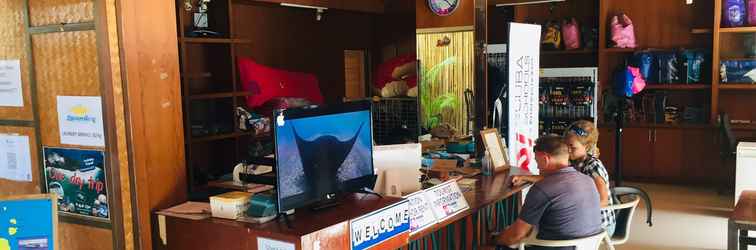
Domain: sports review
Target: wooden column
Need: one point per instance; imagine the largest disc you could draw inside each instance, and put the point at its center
(150, 68)
(481, 74)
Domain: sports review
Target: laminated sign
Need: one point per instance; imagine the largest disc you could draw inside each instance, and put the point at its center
(374, 228)
(523, 93)
(447, 200)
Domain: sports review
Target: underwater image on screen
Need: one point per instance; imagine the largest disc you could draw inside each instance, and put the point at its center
(315, 154)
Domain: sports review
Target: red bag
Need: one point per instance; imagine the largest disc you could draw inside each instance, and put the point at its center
(623, 33)
(571, 34)
(267, 83)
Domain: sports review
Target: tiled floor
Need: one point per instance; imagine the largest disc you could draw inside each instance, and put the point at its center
(684, 218)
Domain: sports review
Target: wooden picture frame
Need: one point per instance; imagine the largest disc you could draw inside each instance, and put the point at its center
(496, 149)
(54, 240)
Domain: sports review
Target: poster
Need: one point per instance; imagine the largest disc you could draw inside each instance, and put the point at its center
(15, 158)
(11, 92)
(374, 228)
(524, 48)
(421, 212)
(28, 223)
(80, 121)
(447, 200)
(78, 178)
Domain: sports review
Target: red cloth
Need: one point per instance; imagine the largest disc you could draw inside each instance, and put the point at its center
(267, 83)
(383, 74)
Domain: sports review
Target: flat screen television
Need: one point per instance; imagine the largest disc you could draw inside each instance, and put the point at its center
(321, 152)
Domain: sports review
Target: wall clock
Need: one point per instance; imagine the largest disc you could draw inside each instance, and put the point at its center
(443, 7)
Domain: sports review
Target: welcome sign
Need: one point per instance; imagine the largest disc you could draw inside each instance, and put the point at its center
(372, 229)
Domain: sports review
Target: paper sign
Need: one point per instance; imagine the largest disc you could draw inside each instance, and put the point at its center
(78, 178)
(15, 158)
(447, 200)
(524, 42)
(268, 244)
(421, 212)
(11, 93)
(379, 226)
(28, 223)
(80, 121)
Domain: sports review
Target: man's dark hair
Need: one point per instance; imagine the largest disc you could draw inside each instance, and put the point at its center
(551, 144)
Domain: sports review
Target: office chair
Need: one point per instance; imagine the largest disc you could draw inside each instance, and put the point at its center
(728, 150)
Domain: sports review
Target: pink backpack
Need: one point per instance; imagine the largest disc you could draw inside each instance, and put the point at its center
(623, 33)
(571, 34)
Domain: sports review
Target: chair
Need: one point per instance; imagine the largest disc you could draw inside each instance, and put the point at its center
(727, 154)
(624, 215)
(587, 243)
(618, 192)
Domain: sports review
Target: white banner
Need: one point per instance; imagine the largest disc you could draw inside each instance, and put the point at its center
(524, 42)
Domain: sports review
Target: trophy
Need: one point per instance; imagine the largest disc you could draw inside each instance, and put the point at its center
(200, 19)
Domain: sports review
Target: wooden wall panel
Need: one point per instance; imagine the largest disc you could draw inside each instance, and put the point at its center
(65, 64)
(151, 69)
(79, 237)
(8, 187)
(463, 16)
(291, 39)
(50, 12)
(13, 46)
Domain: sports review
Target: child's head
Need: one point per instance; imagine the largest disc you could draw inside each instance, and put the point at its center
(551, 153)
(582, 137)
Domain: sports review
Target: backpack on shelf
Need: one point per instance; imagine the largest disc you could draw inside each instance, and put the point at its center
(552, 36)
(623, 32)
(734, 13)
(571, 34)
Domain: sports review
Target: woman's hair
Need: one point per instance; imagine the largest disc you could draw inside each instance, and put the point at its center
(586, 133)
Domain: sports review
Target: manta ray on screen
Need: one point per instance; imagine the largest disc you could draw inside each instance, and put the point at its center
(321, 160)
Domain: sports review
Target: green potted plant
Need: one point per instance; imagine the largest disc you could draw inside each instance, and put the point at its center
(434, 106)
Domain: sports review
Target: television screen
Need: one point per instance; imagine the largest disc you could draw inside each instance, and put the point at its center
(321, 152)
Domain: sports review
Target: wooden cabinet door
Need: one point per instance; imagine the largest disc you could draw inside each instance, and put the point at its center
(700, 156)
(668, 154)
(607, 148)
(636, 153)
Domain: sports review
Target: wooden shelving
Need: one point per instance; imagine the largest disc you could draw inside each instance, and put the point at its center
(738, 30)
(678, 86)
(749, 127)
(701, 31)
(227, 136)
(619, 50)
(737, 86)
(219, 95)
(569, 52)
(667, 125)
(213, 40)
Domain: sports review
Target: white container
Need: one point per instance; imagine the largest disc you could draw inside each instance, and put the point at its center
(230, 205)
(745, 172)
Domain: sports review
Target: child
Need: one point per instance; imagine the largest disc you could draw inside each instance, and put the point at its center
(582, 137)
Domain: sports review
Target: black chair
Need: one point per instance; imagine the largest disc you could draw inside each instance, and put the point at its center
(728, 151)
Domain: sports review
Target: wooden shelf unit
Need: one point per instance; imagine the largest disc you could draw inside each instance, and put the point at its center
(678, 86)
(738, 30)
(211, 92)
(737, 86)
(569, 52)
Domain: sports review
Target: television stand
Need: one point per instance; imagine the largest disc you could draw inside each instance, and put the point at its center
(368, 191)
(324, 204)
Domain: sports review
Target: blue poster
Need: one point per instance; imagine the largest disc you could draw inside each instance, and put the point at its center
(26, 224)
(78, 178)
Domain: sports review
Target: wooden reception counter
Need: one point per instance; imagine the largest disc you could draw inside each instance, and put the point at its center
(492, 206)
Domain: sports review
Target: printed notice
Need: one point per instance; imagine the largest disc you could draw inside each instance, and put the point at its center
(11, 94)
(421, 212)
(447, 200)
(80, 121)
(15, 158)
(268, 244)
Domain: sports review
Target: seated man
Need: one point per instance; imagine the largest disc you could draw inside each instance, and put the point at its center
(563, 206)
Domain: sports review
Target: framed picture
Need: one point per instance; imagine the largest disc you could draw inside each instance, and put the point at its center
(496, 149)
(78, 179)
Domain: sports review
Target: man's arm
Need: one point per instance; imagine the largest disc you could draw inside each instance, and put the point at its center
(514, 234)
